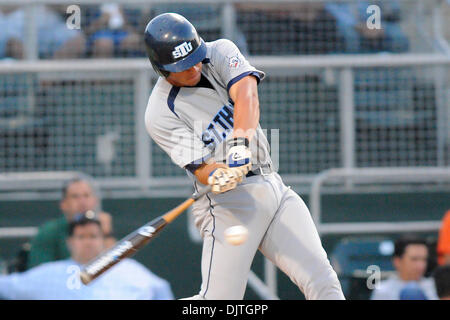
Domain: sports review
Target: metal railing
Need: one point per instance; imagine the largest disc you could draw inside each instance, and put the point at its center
(357, 176)
(36, 185)
(147, 180)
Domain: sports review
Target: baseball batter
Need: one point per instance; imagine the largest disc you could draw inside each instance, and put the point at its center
(204, 112)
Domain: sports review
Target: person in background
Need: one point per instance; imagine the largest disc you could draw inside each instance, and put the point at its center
(410, 262)
(10, 46)
(353, 20)
(288, 28)
(110, 34)
(441, 276)
(443, 245)
(54, 39)
(49, 244)
(60, 280)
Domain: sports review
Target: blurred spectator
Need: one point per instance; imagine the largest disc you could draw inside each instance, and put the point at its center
(10, 46)
(443, 245)
(410, 262)
(109, 32)
(60, 280)
(55, 39)
(49, 244)
(352, 20)
(441, 278)
(412, 291)
(283, 29)
(446, 13)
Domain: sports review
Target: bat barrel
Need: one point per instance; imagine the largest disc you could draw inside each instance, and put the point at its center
(123, 249)
(133, 242)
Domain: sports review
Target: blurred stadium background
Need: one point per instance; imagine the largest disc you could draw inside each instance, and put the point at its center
(363, 118)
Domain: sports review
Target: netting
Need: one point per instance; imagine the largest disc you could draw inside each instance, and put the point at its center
(49, 124)
(258, 28)
(88, 121)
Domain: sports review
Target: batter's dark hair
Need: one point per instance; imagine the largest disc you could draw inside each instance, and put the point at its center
(402, 243)
(82, 220)
(441, 276)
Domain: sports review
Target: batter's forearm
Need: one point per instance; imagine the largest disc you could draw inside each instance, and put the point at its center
(246, 117)
(246, 107)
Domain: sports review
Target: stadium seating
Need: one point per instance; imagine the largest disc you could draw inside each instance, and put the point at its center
(351, 258)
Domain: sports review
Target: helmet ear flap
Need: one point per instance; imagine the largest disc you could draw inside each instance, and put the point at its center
(159, 71)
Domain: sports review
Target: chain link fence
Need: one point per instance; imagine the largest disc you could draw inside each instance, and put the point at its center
(89, 119)
(57, 29)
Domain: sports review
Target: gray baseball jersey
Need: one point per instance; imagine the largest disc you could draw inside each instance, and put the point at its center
(191, 124)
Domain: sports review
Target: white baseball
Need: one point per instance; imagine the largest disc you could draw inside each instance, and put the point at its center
(236, 235)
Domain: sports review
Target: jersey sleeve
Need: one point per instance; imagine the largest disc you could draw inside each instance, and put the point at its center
(231, 65)
(180, 142)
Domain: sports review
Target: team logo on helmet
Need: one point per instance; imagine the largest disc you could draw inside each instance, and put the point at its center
(182, 50)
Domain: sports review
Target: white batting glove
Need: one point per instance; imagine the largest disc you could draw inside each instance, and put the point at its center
(224, 179)
(239, 155)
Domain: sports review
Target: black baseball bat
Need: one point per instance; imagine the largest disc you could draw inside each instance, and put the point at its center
(134, 241)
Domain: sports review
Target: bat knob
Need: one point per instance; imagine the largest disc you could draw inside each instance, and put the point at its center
(85, 277)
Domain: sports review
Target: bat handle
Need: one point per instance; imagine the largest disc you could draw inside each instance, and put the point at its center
(171, 215)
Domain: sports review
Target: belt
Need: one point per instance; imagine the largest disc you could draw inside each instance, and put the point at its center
(264, 170)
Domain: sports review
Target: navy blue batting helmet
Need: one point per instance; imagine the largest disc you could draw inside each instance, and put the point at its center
(173, 44)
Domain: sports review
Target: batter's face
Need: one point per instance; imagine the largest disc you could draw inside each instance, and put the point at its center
(186, 78)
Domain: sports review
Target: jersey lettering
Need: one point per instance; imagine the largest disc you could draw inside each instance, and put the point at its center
(218, 130)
